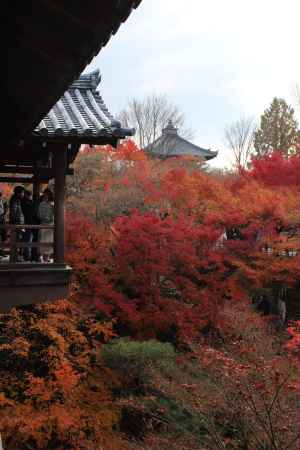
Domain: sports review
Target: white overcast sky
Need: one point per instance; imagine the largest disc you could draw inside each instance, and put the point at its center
(217, 60)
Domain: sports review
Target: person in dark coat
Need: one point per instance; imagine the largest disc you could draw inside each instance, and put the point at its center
(3, 210)
(264, 305)
(46, 217)
(16, 216)
(30, 218)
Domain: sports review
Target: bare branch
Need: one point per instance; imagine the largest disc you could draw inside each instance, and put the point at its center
(150, 115)
(239, 138)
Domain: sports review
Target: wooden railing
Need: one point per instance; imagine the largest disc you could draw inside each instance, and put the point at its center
(13, 243)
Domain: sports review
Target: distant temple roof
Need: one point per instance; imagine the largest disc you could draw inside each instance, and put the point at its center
(171, 144)
(81, 115)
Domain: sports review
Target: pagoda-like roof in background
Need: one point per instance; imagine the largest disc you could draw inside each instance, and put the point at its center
(171, 144)
(81, 116)
(46, 45)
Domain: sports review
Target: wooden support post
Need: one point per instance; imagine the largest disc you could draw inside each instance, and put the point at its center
(60, 162)
(36, 192)
(13, 246)
(36, 188)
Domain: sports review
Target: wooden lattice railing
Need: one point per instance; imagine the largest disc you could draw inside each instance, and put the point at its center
(12, 242)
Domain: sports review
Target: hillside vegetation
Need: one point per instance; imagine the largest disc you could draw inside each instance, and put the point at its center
(162, 343)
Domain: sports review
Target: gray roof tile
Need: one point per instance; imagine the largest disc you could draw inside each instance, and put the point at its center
(171, 144)
(81, 113)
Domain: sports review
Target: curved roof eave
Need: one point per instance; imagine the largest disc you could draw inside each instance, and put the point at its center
(81, 115)
(175, 145)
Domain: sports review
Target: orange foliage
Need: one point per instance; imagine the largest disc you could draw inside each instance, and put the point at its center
(53, 388)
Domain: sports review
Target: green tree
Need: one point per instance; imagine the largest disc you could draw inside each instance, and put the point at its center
(278, 130)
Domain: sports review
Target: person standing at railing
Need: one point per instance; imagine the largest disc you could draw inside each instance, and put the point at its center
(35, 251)
(29, 212)
(16, 216)
(3, 210)
(46, 217)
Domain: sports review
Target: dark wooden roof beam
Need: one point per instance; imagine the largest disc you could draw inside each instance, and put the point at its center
(62, 10)
(41, 171)
(52, 40)
(103, 140)
(19, 180)
(42, 47)
(29, 43)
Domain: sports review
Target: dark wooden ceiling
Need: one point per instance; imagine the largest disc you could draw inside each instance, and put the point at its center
(46, 45)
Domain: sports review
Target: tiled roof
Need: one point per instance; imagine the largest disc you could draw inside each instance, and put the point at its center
(171, 144)
(81, 114)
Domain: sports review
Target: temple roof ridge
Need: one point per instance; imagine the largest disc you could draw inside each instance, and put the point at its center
(89, 80)
(82, 114)
(197, 146)
(170, 143)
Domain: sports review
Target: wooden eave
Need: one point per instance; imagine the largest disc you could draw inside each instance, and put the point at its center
(30, 152)
(46, 45)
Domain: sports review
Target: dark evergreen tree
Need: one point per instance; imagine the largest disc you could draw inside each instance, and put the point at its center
(278, 130)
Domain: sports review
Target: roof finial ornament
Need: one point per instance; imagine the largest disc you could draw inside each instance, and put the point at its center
(95, 78)
(169, 129)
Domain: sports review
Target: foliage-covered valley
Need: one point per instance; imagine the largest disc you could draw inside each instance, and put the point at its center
(164, 342)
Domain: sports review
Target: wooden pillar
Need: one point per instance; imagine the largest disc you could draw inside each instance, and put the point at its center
(13, 248)
(36, 188)
(36, 194)
(60, 162)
